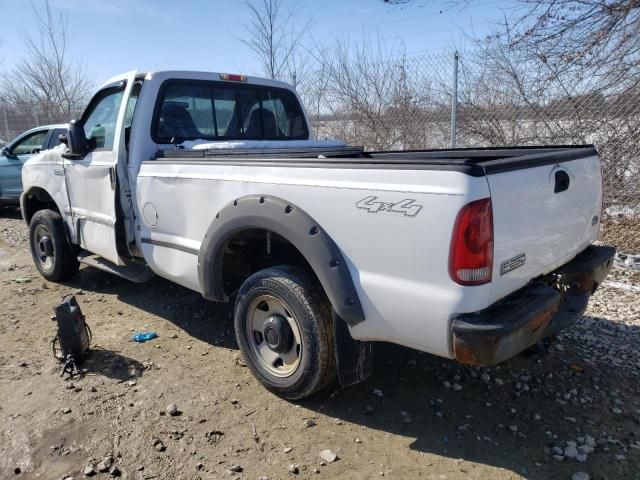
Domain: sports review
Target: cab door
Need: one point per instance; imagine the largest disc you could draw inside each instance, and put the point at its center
(92, 181)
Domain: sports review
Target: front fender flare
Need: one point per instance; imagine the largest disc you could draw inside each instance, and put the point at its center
(296, 226)
(41, 195)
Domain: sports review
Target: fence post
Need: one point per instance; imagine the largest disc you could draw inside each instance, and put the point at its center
(34, 111)
(454, 100)
(6, 123)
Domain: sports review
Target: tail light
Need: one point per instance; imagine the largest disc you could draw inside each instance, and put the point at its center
(471, 254)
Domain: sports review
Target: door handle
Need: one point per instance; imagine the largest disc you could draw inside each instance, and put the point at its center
(562, 181)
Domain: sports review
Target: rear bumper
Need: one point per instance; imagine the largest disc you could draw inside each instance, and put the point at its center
(542, 308)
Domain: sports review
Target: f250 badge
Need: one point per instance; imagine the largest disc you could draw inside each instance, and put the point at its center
(513, 263)
(406, 207)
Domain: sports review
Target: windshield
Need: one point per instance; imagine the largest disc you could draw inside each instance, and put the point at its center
(195, 109)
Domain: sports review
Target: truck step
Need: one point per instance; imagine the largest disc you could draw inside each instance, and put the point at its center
(134, 272)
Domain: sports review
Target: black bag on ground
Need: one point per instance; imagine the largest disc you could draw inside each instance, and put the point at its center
(74, 334)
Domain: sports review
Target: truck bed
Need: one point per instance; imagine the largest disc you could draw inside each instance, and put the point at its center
(545, 200)
(472, 161)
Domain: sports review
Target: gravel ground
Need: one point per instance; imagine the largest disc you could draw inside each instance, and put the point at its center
(185, 406)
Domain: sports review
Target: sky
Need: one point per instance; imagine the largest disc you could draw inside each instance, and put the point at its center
(109, 37)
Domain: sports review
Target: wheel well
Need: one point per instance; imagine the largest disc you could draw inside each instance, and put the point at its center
(258, 221)
(255, 249)
(37, 199)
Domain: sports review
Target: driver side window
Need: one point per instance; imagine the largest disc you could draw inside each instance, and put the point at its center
(100, 119)
(32, 144)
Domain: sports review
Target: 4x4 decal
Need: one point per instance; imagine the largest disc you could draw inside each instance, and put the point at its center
(407, 207)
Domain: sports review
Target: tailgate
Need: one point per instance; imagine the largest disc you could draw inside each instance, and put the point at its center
(545, 211)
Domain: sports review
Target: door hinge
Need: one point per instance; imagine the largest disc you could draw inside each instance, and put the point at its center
(112, 177)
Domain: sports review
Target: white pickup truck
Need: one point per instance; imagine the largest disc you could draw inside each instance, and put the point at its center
(213, 182)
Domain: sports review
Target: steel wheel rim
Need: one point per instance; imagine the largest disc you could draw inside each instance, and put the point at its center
(43, 247)
(280, 364)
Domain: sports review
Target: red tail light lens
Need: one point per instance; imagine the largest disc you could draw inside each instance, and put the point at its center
(471, 255)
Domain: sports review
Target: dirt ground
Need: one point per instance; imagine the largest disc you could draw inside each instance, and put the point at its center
(419, 416)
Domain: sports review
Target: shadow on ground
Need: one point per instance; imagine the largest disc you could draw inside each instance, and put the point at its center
(542, 401)
(112, 365)
(206, 321)
(10, 211)
(509, 420)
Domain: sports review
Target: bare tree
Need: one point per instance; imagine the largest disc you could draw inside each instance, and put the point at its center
(375, 97)
(315, 86)
(574, 67)
(601, 36)
(48, 84)
(599, 39)
(275, 38)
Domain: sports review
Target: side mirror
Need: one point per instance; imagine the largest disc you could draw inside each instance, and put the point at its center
(76, 140)
(5, 152)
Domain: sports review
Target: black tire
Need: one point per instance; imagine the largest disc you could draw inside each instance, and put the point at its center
(302, 296)
(56, 261)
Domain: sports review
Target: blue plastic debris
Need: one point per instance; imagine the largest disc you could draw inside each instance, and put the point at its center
(142, 337)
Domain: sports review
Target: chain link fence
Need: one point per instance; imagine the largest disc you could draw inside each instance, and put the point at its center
(15, 120)
(440, 100)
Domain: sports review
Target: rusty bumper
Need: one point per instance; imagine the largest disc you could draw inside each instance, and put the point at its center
(542, 308)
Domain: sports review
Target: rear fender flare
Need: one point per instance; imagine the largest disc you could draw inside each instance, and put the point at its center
(296, 226)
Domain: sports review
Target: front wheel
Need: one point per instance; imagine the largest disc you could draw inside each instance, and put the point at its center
(52, 254)
(284, 330)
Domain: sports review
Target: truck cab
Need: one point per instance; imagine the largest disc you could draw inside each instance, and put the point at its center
(95, 179)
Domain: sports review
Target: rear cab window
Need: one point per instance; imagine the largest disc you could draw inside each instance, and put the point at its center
(210, 110)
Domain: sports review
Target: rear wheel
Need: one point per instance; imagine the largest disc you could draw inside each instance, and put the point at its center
(52, 254)
(284, 329)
